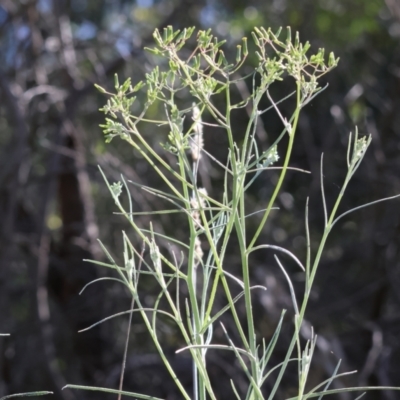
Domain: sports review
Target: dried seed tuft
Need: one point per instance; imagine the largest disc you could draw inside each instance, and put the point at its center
(197, 143)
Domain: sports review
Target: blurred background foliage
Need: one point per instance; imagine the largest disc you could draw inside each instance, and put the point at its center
(54, 204)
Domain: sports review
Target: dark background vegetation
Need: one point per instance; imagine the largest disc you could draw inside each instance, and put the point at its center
(54, 204)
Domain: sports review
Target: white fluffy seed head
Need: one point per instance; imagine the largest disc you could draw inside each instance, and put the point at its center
(197, 143)
(196, 206)
(198, 251)
(202, 193)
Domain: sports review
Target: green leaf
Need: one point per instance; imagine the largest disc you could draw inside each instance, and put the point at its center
(28, 394)
(123, 393)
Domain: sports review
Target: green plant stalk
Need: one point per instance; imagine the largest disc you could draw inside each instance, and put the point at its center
(191, 260)
(198, 385)
(234, 219)
(254, 384)
(231, 221)
(313, 272)
(284, 167)
(247, 294)
(196, 353)
(238, 219)
(152, 331)
(220, 275)
(218, 257)
(158, 346)
(240, 225)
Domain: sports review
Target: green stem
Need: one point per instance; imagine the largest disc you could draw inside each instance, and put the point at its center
(284, 168)
(231, 221)
(309, 282)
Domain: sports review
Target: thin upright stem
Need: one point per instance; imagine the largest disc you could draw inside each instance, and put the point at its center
(284, 168)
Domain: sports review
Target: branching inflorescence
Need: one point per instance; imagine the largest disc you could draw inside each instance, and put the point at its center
(202, 71)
